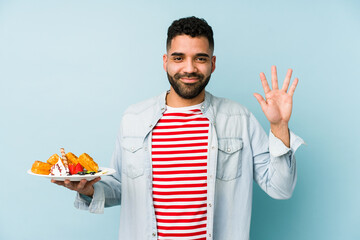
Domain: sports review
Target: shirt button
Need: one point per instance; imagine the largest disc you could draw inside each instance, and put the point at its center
(210, 205)
(154, 234)
(209, 234)
(213, 147)
(150, 126)
(229, 150)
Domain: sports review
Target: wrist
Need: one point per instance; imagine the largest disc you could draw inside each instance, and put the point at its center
(88, 192)
(281, 126)
(281, 131)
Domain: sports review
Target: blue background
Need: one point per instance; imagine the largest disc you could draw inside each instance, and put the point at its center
(68, 70)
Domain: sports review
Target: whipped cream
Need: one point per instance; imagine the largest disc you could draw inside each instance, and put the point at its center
(58, 169)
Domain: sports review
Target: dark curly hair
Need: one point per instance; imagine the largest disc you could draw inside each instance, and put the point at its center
(191, 26)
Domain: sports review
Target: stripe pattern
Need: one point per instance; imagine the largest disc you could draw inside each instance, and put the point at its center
(179, 158)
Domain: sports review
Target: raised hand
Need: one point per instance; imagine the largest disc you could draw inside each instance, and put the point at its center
(278, 104)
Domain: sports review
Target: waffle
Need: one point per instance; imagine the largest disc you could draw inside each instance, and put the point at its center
(53, 159)
(39, 167)
(88, 163)
(72, 158)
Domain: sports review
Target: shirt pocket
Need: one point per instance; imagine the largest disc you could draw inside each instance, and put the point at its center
(229, 159)
(133, 157)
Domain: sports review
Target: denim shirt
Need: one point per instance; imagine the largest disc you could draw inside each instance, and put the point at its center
(239, 152)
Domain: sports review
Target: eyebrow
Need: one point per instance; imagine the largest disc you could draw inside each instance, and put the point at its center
(203, 55)
(177, 54)
(198, 54)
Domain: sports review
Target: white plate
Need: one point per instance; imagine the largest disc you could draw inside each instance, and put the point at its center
(76, 177)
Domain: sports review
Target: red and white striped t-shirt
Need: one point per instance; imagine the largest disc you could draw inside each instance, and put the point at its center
(179, 158)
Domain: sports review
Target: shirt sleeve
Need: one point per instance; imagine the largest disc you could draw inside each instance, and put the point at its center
(274, 163)
(107, 192)
(93, 204)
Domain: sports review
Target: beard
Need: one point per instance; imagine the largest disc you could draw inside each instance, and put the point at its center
(188, 90)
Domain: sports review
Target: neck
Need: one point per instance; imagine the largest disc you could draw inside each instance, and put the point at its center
(174, 100)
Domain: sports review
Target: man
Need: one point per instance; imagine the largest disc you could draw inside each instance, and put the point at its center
(186, 160)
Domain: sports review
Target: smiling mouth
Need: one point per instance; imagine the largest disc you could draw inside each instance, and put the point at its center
(189, 80)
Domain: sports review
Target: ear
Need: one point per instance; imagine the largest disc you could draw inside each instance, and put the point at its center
(213, 60)
(165, 59)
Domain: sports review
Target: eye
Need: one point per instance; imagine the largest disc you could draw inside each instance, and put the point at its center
(201, 59)
(177, 59)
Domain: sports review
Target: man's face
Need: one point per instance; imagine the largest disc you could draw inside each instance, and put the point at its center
(189, 63)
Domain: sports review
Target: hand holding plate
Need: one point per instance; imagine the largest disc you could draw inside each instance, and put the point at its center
(83, 186)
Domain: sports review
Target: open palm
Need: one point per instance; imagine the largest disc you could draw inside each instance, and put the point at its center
(278, 104)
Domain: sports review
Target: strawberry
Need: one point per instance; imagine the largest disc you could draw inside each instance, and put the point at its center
(72, 168)
(78, 168)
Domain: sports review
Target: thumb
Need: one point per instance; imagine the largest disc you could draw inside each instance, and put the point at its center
(261, 100)
(92, 182)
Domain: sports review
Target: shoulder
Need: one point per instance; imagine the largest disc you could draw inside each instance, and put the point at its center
(142, 106)
(138, 117)
(148, 105)
(229, 107)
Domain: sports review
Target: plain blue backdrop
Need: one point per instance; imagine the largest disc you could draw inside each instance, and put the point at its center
(68, 70)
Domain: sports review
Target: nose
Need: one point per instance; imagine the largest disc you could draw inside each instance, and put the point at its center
(189, 66)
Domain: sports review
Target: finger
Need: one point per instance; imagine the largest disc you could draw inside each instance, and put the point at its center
(95, 180)
(261, 100)
(287, 80)
(264, 83)
(92, 182)
(293, 86)
(274, 80)
(81, 184)
(68, 184)
(60, 183)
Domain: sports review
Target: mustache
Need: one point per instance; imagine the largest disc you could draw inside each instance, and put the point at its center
(189, 75)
